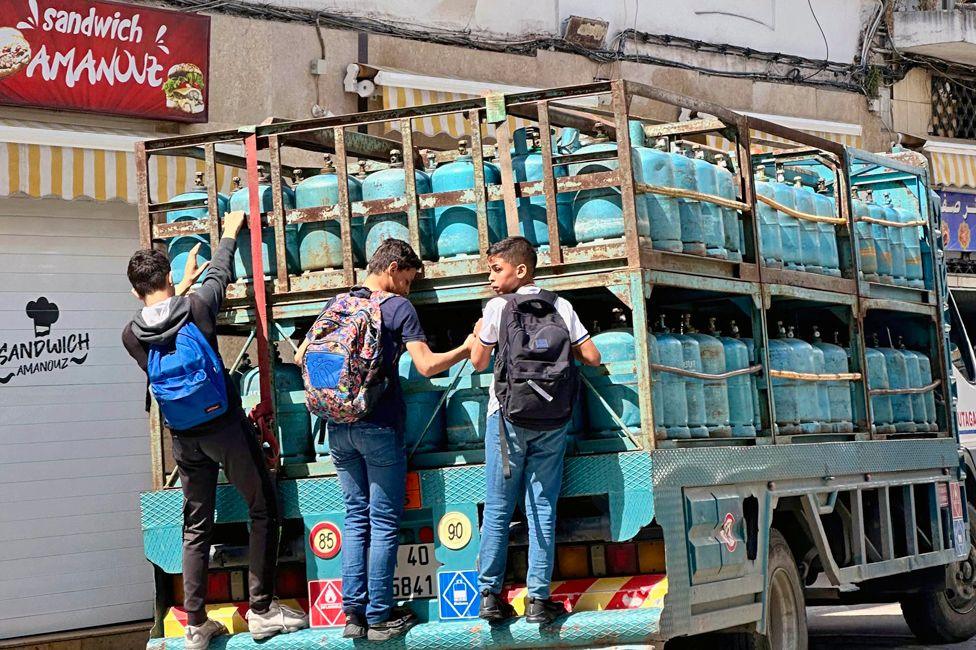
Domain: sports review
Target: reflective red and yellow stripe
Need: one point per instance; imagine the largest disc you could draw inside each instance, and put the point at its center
(598, 594)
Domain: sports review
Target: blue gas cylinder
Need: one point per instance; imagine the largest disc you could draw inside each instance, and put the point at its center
(881, 421)
(901, 405)
(865, 241)
(741, 416)
(785, 390)
(809, 232)
(731, 219)
(808, 392)
(456, 226)
(896, 241)
(913, 247)
(838, 392)
(770, 239)
(716, 391)
(240, 200)
(914, 368)
(689, 211)
(320, 243)
(713, 228)
(879, 235)
(823, 395)
(423, 402)
(753, 379)
(925, 373)
(391, 184)
(527, 166)
(691, 359)
(618, 388)
(653, 166)
(827, 207)
(293, 421)
(785, 195)
(467, 407)
(179, 248)
(673, 404)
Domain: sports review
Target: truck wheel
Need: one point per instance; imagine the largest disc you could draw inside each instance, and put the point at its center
(786, 616)
(947, 616)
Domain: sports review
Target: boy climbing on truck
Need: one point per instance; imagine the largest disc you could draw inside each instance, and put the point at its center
(535, 335)
(349, 361)
(173, 338)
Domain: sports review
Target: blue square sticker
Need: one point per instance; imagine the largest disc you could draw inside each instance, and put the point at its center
(457, 594)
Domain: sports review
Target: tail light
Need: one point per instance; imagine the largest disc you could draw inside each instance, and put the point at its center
(573, 561)
(291, 581)
(622, 559)
(426, 535)
(218, 587)
(650, 557)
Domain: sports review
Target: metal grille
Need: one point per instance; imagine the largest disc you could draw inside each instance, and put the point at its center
(953, 108)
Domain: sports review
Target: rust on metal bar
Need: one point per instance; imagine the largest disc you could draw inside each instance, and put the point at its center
(169, 206)
(361, 145)
(691, 127)
(278, 212)
(142, 187)
(345, 222)
(181, 228)
(410, 186)
(481, 205)
(158, 145)
(213, 205)
(503, 137)
(200, 153)
(577, 158)
(625, 171)
(579, 119)
(677, 99)
(549, 184)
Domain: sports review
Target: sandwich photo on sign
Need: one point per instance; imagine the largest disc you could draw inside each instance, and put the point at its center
(184, 88)
(15, 51)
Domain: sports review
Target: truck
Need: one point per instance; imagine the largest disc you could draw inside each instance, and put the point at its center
(773, 424)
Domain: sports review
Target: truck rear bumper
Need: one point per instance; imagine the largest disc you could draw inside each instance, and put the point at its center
(578, 630)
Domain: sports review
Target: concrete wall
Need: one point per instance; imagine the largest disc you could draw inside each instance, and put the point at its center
(911, 103)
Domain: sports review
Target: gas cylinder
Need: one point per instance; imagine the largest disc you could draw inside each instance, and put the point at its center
(823, 395)
(673, 407)
(925, 372)
(914, 368)
(320, 243)
(293, 420)
(689, 211)
(241, 200)
(808, 392)
(713, 228)
(809, 232)
(913, 247)
(653, 166)
(731, 219)
(753, 379)
(598, 213)
(785, 390)
(838, 392)
(391, 184)
(770, 238)
(878, 379)
(896, 241)
(865, 240)
(901, 405)
(741, 417)
(456, 226)
(785, 195)
(423, 401)
(527, 166)
(467, 407)
(826, 207)
(716, 391)
(179, 248)
(694, 388)
(618, 389)
(879, 235)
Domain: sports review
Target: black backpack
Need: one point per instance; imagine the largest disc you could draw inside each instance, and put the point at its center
(536, 380)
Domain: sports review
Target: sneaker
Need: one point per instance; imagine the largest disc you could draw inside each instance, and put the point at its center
(494, 608)
(543, 610)
(277, 620)
(355, 626)
(198, 636)
(400, 621)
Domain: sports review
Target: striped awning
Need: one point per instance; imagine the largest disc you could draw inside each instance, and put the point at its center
(93, 166)
(953, 163)
(454, 125)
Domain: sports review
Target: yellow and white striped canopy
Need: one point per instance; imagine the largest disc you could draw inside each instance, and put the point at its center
(454, 125)
(764, 142)
(953, 165)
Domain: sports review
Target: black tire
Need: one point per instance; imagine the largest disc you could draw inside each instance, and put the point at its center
(947, 616)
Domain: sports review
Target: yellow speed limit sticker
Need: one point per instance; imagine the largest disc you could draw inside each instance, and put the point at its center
(325, 540)
(454, 530)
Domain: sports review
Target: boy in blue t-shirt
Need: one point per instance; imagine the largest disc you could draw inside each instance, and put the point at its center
(370, 458)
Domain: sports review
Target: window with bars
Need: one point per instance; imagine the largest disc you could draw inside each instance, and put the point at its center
(953, 108)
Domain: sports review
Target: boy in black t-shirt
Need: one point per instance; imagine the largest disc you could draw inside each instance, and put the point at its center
(370, 458)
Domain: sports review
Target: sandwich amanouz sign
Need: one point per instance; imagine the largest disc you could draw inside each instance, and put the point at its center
(104, 57)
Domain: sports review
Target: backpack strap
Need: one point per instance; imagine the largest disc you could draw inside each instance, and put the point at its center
(543, 295)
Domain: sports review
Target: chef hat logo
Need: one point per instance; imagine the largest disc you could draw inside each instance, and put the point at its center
(44, 313)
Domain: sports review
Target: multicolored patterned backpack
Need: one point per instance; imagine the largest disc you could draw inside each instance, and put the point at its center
(342, 367)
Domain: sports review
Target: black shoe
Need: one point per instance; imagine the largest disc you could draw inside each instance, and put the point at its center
(543, 611)
(400, 621)
(355, 626)
(494, 608)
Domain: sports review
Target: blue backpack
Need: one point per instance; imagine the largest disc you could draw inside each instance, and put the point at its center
(187, 379)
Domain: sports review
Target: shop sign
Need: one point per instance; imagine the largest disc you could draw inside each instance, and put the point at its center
(958, 221)
(104, 57)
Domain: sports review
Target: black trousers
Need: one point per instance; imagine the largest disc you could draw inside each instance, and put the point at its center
(198, 460)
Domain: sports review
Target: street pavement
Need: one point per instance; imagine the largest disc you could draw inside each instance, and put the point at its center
(866, 627)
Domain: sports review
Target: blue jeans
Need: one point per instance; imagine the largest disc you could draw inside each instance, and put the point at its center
(372, 466)
(536, 461)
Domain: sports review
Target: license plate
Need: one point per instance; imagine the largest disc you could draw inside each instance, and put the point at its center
(416, 572)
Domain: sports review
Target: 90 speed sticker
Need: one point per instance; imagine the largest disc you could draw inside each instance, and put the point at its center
(325, 540)
(454, 530)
